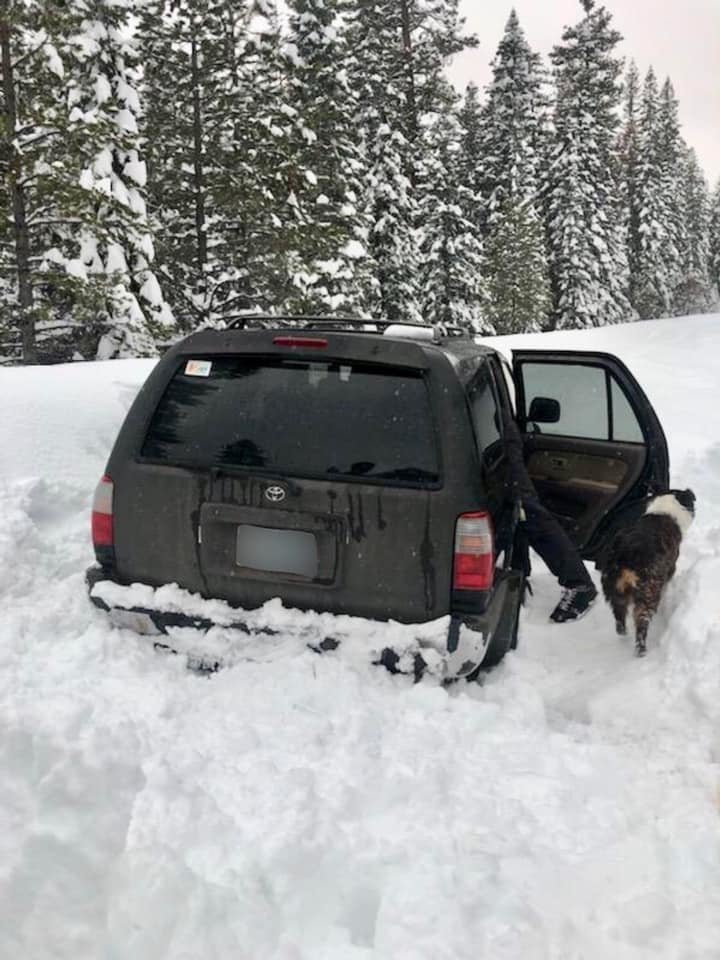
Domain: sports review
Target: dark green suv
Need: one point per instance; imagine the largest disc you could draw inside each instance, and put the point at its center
(358, 467)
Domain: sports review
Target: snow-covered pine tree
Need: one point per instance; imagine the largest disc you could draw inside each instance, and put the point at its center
(715, 241)
(513, 123)
(75, 238)
(330, 270)
(451, 280)
(431, 32)
(513, 119)
(517, 286)
(397, 52)
(268, 217)
(450, 245)
(38, 173)
(671, 149)
(188, 52)
(685, 200)
(629, 146)
(27, 115)
(376, 73)
(392, 240)
(115, 244)
(217, 130)
(471, 153)
(655, 255)
(695, 293)
(588, 256)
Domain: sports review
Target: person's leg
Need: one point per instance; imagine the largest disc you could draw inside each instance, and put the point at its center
(552, 544)
(549, 541)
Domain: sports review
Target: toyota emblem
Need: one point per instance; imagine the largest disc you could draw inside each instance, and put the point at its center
(275, 494)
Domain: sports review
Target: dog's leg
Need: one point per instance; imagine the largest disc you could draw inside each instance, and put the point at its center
(619, 608)
(647, 600)
(614, 588)
(641, 629)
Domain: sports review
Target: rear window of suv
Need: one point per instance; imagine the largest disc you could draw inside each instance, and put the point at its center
(299, 417)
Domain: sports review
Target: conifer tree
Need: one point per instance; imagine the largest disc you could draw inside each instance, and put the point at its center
(629, 147)
(115, 243)
(431, 32)
(397, 52)
(715, 242)
(517, 287)
(471, 152)
(330, 229)
(326, 166)
(451, 250)
(671, 273)
(588, 255)
(376, 72)
(512, 133)
(694, 293)
(671, 150)
(219, 178)
(655, 257)
(470, 170)
(183, 52)
(512, 124)
(27, 113)
(392, 244)
(74, 237)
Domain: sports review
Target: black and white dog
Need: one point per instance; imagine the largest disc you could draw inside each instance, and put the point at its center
(641, 559)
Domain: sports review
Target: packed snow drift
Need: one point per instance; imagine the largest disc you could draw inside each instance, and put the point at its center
(305, 807)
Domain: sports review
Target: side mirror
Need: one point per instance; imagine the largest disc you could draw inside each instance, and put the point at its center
(544, 410)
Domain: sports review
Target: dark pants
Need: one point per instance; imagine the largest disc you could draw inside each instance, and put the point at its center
(548, 539)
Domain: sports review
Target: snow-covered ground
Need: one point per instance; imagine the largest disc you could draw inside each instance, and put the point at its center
(315, 808)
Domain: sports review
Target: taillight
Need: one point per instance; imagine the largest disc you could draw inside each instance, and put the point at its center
(474, 561)
(314, 343)
(102, 514)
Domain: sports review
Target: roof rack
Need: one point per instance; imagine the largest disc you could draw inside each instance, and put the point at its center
(263, 321)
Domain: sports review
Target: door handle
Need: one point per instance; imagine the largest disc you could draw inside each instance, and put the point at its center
(559, 462)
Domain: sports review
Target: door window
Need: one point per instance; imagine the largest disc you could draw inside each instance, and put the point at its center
(485, 417)
(625, 424)
(487, 392)
(592, 403)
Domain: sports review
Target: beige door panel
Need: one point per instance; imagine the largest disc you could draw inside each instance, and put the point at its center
(581, 487)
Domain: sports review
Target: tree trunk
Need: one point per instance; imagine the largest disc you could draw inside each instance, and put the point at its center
(17, 195)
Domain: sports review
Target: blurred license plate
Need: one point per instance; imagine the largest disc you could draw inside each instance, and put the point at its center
(277, 551)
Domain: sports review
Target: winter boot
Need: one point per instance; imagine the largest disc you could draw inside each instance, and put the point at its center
(574, 603)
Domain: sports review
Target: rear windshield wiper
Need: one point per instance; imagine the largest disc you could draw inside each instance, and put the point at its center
(416, 474)
(360, 469)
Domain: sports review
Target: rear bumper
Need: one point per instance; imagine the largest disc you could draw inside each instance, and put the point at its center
(460, 640)
(148, 620)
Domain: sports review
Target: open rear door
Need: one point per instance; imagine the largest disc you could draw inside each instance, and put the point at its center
(594, 446)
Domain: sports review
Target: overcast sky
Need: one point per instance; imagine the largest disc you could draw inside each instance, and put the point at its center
(680, 38)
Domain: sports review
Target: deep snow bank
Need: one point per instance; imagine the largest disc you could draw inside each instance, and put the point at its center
(312, 808)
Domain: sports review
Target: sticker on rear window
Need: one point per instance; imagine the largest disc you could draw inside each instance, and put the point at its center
(198, 368)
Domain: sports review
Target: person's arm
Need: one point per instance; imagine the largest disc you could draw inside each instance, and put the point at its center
(519, 483)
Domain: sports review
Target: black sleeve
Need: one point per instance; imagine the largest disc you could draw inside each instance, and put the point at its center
(518, 480)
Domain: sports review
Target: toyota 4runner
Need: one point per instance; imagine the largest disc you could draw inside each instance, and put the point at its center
(358, 467)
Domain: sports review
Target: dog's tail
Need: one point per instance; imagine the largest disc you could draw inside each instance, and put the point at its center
(626, 582)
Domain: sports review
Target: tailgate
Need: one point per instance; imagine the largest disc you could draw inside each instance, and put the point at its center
(342, 548)
(317, 480)
(253, 543)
